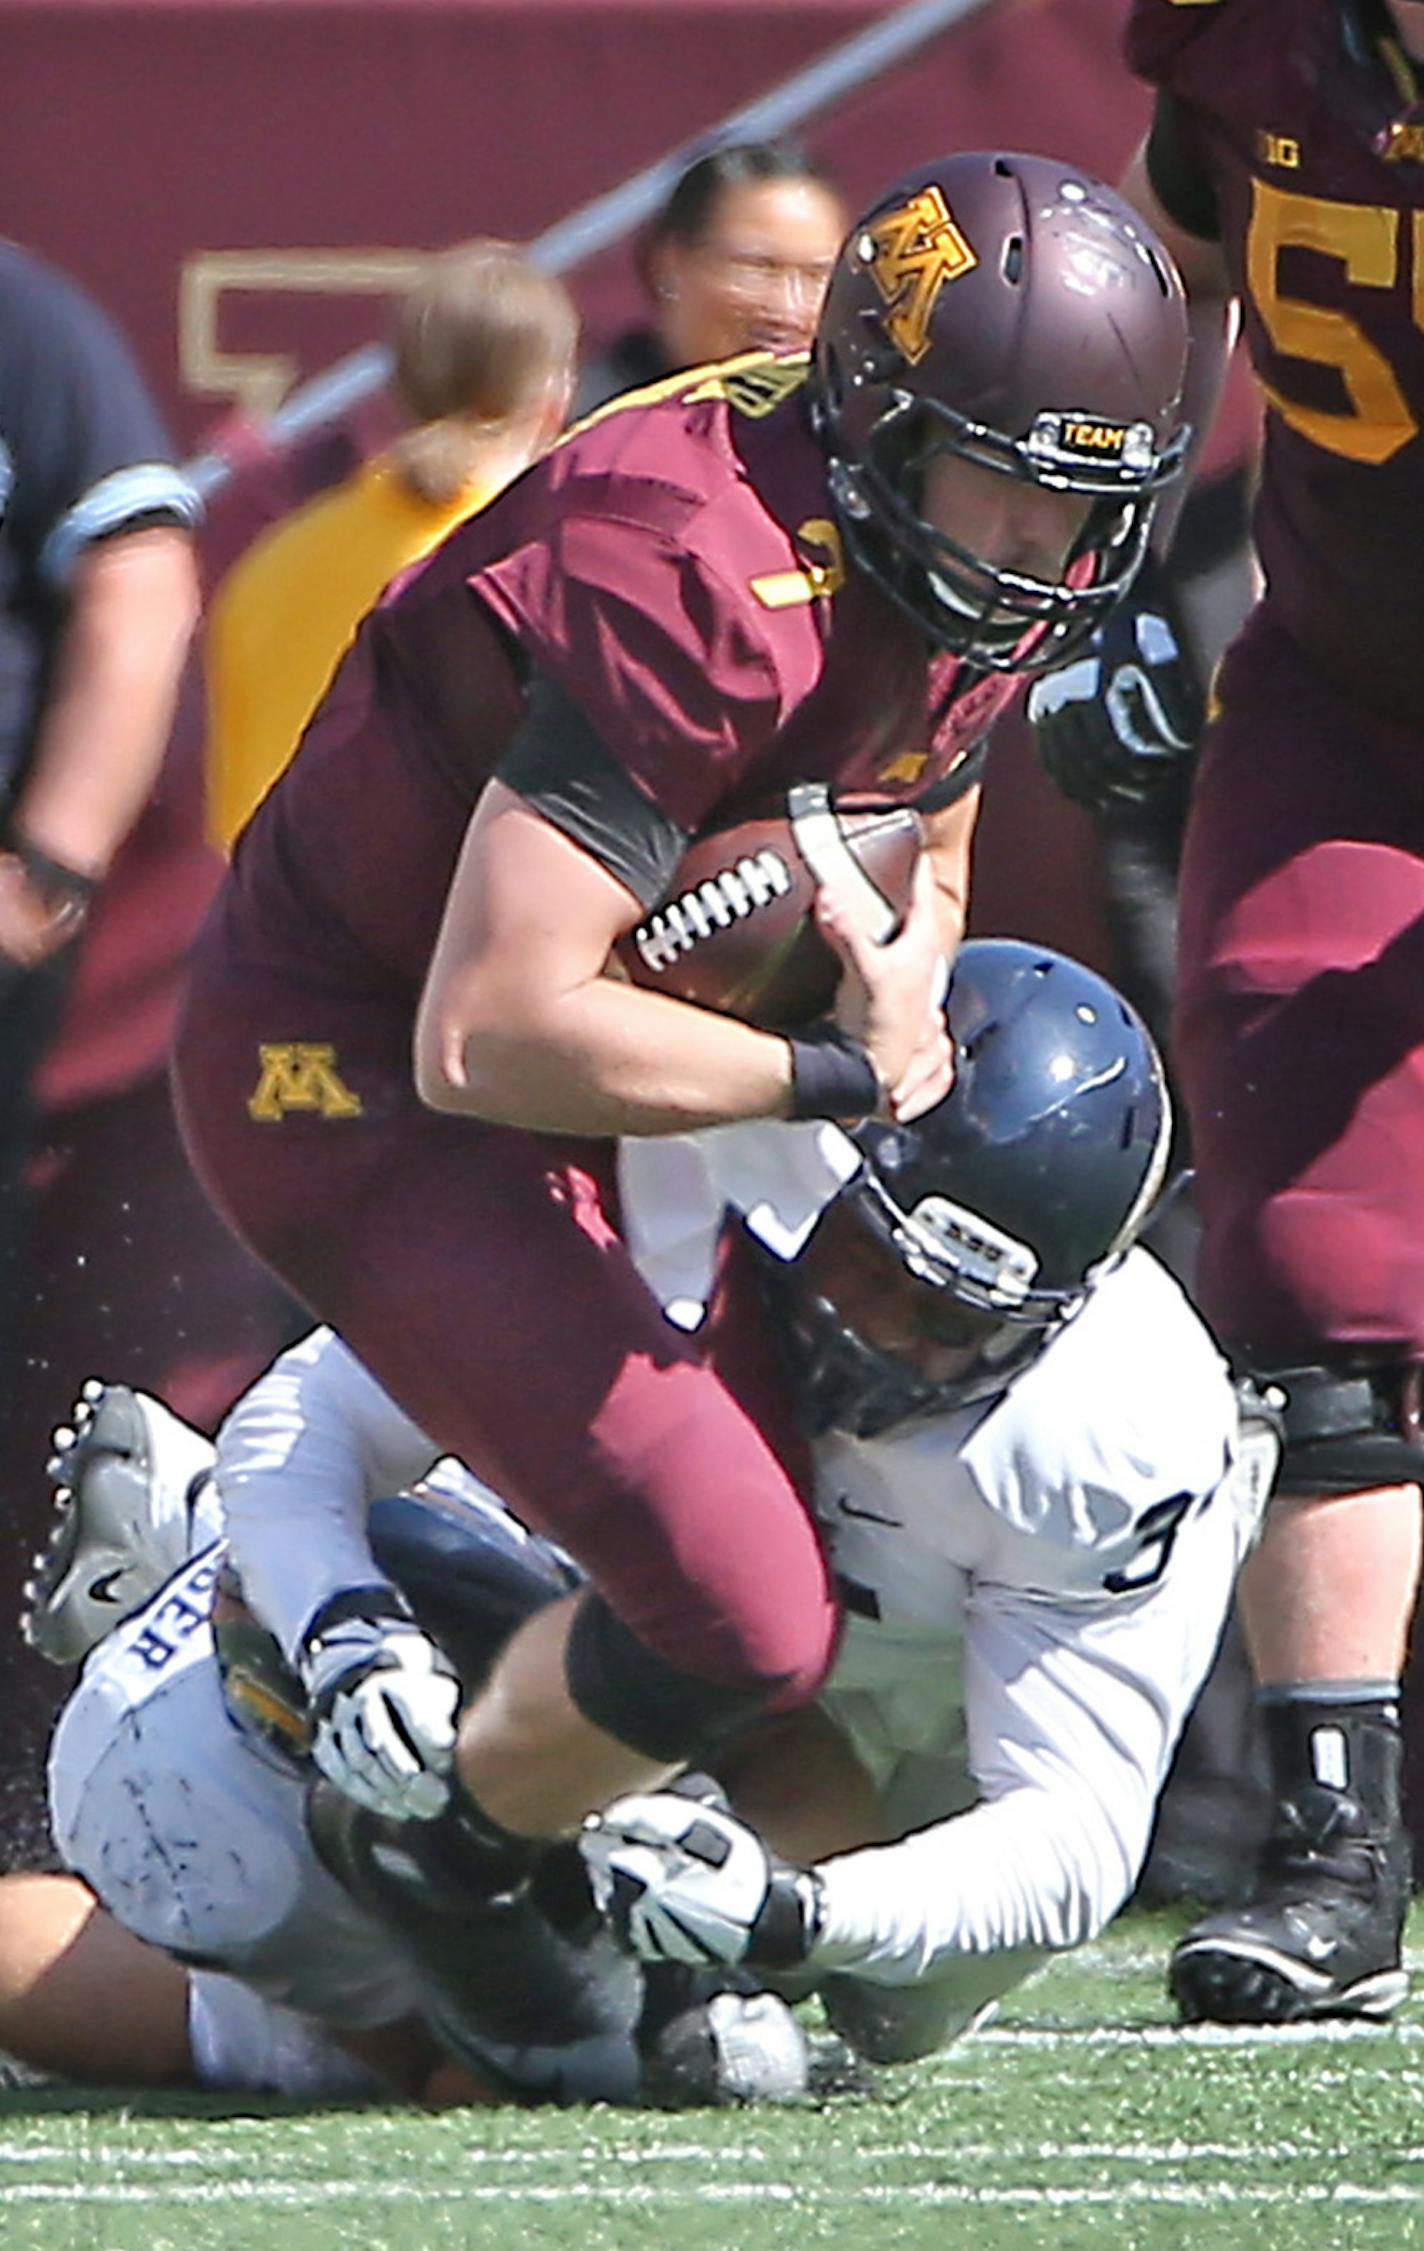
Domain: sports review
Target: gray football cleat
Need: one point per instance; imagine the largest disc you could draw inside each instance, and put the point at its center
(731, 2048)
(124, 1470)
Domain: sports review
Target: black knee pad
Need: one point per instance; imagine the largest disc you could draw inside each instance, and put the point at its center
(622, 1686)
(470, 1573)
(1345, 1430)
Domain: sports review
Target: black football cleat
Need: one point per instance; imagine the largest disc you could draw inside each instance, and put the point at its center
(1321, 1936)
(532, 2011)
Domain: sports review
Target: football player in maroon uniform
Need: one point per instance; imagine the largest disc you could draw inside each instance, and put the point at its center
(761, 573)
(1285, 166)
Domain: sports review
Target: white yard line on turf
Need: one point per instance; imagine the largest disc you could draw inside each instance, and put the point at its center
(296, 2195)
(1174, 2036)
(1177, 2151)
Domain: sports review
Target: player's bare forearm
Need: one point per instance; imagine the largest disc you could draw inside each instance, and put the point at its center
(134, 605)
(521, 1024)
(603, 1059)
(525, 1021)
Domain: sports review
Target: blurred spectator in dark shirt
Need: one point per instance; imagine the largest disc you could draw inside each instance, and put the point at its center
(98, 599)
(736, 260)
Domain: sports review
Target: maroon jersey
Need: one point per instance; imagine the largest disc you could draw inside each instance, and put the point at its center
(674, 570)
(1317, 162)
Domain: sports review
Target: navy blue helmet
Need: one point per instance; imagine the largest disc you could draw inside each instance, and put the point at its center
(968, 1237)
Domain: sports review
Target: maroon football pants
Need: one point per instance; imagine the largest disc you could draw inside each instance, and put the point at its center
(478, 1272)
(1300, 1013)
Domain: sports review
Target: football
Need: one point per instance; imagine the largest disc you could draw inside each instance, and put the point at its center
(736, 930)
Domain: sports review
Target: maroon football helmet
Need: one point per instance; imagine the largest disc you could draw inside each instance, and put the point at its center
(1012, 311)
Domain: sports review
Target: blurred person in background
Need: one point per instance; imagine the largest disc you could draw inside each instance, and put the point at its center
(98, 600)
(736, 260)
(484, 348)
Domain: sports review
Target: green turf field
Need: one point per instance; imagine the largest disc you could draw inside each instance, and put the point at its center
(1078, 2119)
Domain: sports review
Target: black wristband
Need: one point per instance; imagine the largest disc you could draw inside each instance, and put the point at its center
(832, 1075)
(62, 888)
(378, 1603)
(789, 1921)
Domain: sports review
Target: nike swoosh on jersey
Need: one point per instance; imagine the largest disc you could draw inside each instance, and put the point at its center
(866, 1515)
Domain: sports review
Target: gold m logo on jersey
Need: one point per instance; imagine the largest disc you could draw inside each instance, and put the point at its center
(300, 1076)
(912, 252)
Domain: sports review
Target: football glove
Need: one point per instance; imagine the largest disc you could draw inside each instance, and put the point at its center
(1118, 727)
(383, 1702)
(681, 1881)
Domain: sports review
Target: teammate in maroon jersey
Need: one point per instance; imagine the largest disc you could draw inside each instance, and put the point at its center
(1285, 166)
(761, 573)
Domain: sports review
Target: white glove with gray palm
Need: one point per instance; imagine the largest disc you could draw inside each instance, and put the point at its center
(683, 1880)
(384, 1702)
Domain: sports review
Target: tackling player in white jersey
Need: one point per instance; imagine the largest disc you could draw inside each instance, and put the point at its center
(1036, 1494)
(1030, 1478)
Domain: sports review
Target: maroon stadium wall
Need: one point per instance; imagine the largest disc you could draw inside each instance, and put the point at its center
(240, 179)
(244, 183)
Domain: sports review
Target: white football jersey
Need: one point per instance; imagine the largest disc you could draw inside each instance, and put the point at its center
(191, 1831)
(1072, 1485)
(1035, 1589)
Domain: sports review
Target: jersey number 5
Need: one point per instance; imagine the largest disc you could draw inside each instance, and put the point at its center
(1364, 239)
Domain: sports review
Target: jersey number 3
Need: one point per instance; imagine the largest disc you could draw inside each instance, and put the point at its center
(1157, 1530)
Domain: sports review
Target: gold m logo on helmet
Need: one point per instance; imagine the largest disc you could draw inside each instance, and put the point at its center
(300, 1076)
(912, 252)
